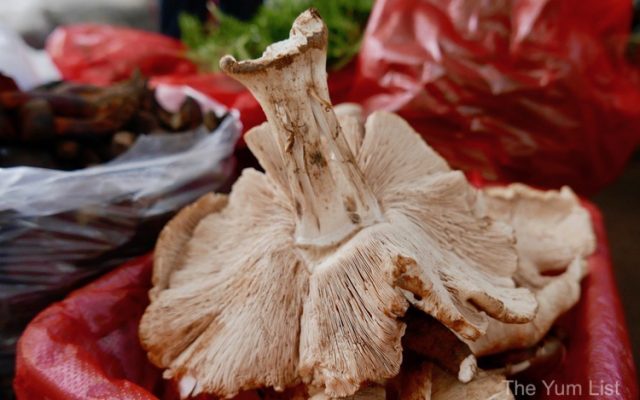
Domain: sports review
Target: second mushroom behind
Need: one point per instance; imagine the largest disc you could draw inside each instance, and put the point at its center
(303, 273)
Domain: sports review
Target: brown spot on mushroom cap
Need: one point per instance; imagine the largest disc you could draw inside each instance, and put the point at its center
(349, 204)
(298, 208)
(403, 262)
(355, 218)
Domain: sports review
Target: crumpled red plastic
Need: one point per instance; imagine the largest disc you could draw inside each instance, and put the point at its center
(536, 91)
(87, 345)
(102, 54)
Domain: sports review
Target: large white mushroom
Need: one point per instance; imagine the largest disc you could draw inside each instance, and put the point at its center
(303, 273)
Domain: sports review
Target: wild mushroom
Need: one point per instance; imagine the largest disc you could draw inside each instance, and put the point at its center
(554, 237)
(302, 273)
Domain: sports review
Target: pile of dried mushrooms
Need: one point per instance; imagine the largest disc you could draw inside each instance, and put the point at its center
(358, 264)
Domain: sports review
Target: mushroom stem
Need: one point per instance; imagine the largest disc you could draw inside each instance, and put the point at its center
(326, 188)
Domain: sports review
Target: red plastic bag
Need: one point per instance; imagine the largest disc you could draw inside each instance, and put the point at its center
(87, 345)
(103, 54)
(537, 91)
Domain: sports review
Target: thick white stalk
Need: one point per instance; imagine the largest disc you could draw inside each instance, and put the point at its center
(327, 189)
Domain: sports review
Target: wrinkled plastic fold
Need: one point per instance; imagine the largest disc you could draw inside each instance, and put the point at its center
(537, 91)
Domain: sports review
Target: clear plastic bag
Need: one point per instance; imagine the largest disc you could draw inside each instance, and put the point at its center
(103, 54)
(28, 67)
(60, 229)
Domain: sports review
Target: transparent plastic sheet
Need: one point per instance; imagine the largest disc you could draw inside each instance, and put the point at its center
(536, 91)
(60, 229)
(87, 345)
(28, 67)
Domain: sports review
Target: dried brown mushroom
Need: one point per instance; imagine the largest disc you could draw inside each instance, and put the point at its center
(302, 273)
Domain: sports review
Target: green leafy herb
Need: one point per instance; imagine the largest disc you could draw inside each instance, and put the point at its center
(345, 19)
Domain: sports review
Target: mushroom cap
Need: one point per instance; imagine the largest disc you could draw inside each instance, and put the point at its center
(554, 238)
(551, 226)
(242, 307)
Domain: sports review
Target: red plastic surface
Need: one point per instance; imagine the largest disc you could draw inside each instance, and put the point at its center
(103, 54)
(599, 355)
(87, 346)
(536, 91)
